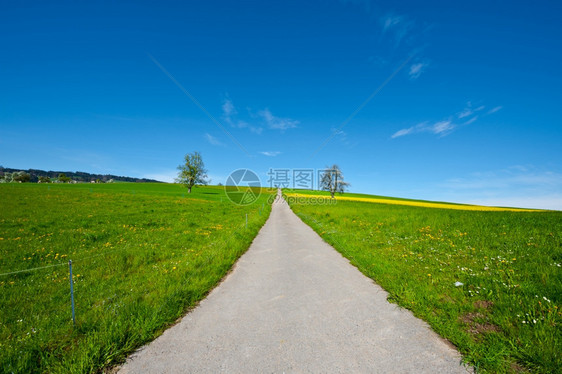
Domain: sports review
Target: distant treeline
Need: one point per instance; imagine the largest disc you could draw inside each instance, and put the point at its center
(36, 175)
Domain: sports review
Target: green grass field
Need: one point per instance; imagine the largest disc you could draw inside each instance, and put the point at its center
(143, 254)
(504, 314)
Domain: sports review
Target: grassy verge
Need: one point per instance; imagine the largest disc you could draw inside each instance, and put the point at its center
(490, 282)
(142, 255)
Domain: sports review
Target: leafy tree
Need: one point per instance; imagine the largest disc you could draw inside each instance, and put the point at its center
(21, 177)
(6, 177)
(332, 180)
(192, 172)
(63, 178)
(43, 179)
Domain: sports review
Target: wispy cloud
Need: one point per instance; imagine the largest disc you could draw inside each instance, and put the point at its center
(277, 123)
(228, 109)
(271, 153)
(399, 26)
(469, 110)
(402, 132)
(338, 133)
(465, 113)
(245, 125)
(495, 109)
(214, 141)
(417, 69)
(229, 113)
(466, 117)
(441, 128)
(389, 21)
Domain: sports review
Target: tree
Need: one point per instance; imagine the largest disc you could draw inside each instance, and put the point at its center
(332, 180)
(44, 179)
(193, 171)
(63, 178)
(6, 178)
(21, 177)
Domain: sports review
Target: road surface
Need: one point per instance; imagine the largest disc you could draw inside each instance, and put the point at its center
(293, 304)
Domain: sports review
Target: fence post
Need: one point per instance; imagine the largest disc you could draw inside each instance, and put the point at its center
(72, 292)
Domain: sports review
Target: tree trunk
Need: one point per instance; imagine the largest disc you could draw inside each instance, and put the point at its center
(332, 193)
(188, 189)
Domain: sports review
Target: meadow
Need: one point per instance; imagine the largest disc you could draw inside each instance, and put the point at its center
(142, 255)
(489, 281)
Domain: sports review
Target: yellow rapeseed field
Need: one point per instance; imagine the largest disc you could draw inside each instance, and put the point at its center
(416, 203)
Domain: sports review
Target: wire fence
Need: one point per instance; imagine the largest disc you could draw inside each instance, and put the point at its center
(41, 289)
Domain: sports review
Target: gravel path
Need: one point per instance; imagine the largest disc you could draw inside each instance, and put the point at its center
(294, 305)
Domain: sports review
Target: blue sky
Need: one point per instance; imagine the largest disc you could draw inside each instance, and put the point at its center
(431, 100)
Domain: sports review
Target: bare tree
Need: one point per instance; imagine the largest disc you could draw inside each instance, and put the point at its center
(332, 180)
(192, 172)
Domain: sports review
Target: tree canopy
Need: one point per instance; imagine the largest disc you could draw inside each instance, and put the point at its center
(192, 172)
(332, 180)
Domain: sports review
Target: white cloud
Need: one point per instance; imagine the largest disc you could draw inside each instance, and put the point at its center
(445, 127)
(495, 109)
(465, 113)
(338, 133)
(439, 128)
(402, 132)
(397, 25)
(442, 127)
(271, 153)
(390, 21)
(214, 141)
(468, 110)
(277, 123)
(228, 109)
(229, 112)
(245, 125)
(417, 69)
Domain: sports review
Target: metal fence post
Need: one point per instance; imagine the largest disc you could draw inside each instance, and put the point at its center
(71, 292)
